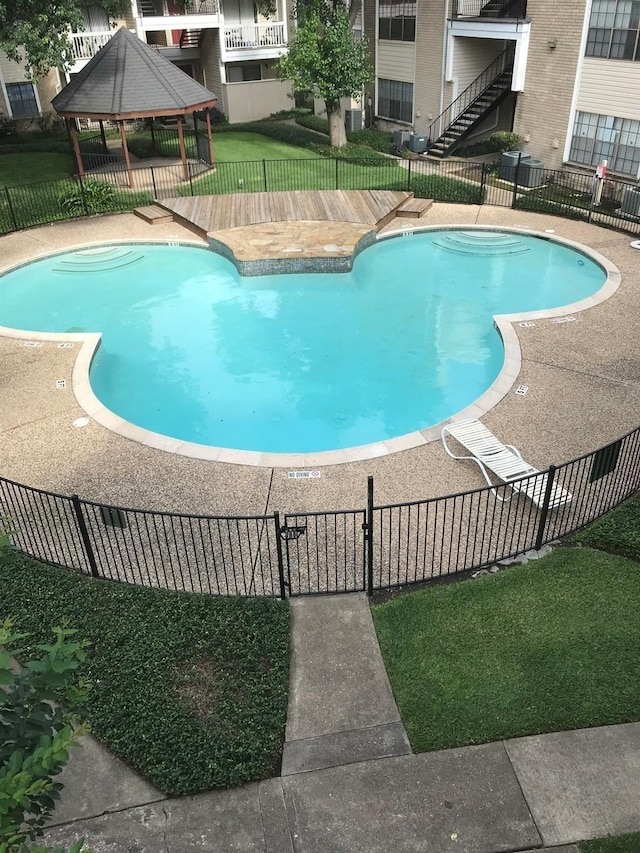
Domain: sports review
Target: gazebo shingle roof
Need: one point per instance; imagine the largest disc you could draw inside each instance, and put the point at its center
(128, 79)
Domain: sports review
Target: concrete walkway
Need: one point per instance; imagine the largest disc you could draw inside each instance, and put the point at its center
(349, 782)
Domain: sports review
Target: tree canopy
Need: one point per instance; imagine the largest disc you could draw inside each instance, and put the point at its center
(326, 58)
(36, 32)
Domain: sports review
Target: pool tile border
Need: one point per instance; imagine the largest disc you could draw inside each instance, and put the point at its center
(504, 323)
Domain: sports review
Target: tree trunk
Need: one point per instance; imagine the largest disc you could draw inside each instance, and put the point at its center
(337, 132)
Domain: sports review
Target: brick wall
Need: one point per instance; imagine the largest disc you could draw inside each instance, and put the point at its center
(543, 108)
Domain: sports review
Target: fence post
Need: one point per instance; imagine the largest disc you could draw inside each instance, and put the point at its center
(276, 520)
(409, 177)
(337, 179)
(11, 210)
(516, 178)
(153, 181)
(483, 181)
(84, 535)
(264, 174)
(369, 535)
(545, 507)
(82, 196)
(190, 178)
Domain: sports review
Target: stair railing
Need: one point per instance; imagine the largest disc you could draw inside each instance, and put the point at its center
(473, 91)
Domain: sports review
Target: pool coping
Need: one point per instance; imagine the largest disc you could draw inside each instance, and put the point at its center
(504, 324)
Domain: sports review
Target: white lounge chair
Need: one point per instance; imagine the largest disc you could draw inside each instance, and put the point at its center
(504, 461)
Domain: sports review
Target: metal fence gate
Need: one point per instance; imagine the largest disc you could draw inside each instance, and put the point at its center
(324, 552)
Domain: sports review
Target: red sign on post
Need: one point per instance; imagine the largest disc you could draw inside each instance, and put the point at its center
(601, 170)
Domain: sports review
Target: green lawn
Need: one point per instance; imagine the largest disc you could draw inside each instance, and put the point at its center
(549, 646)
(617, 532)
(628, 843)
(18, 169)
(232, 147)
(190, 690)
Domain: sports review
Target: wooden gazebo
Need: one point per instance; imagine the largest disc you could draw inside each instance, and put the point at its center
(127, 79)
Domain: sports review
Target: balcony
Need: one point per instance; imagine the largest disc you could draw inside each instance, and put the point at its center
(485, 10)
(158, 15)
(84, 46)
(255, 41)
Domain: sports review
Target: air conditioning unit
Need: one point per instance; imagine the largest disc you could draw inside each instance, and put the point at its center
(401, 138)
(631, 202)
(353, 120)
(418, 143)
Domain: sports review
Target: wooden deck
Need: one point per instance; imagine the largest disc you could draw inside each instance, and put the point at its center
(209, 213)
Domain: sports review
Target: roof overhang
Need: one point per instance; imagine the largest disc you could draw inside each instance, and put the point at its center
(203, 105)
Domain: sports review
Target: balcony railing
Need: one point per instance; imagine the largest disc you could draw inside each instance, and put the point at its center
(248, 36)
(157, 9)
(507, 9)
(86, 45)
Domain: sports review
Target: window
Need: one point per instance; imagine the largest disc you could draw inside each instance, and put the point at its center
(613, 29)
(397, 20)
(616, 140)
(395, 100)
(243, 73)
(22, 100)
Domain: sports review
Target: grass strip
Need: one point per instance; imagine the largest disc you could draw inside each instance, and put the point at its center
(618, 532)
(545, 647)
(190, 690)
(24, 168)
(628, 843)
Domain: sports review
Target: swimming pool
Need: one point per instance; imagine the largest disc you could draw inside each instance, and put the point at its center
(296, 363)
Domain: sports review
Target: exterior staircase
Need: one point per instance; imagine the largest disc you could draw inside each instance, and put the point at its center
(190, 38)
(473, 106)
(147, 7)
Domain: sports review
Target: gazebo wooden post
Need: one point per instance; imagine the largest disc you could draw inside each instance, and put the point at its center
(209, 137)
(71, 127)
(154, 150)
(183, 153)
(123, 137)
(102, 134)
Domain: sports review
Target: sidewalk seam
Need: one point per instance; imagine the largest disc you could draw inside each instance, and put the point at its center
(52, 824)
(524, 797)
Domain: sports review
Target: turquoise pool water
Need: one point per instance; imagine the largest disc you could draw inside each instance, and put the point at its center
(296, 363)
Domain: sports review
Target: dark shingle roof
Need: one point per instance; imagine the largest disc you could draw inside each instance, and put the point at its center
(127, 78)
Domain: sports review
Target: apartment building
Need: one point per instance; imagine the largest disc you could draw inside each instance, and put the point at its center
(226, 45)
(565, 77)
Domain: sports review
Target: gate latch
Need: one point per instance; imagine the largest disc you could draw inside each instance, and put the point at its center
(293, 532)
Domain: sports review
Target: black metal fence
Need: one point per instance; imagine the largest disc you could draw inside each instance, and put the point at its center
(111, 188)
(374, 548)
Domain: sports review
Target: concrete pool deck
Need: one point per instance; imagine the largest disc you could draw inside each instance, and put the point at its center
(583, 380)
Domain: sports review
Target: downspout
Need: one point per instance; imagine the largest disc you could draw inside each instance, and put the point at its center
(445, 39)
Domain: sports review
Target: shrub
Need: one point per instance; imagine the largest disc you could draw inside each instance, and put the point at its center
(313, 122)
(39, 707)
(7, 126)
(441, 188)
(501, 140)
(544, 205)
(350, 151)
(290, 133)
(89, 196)
(378, 140)
(504, 140)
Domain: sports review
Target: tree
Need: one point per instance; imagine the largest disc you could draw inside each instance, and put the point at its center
(37, 32)
(326, 59)
(39, 712)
